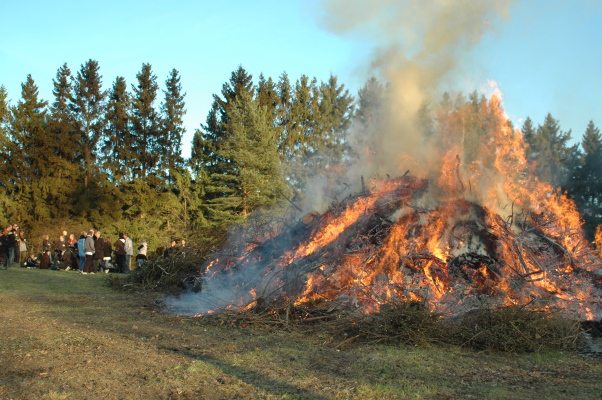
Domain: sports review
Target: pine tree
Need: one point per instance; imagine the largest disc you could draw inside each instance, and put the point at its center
(548, 147)
(586, 184)
(209, 155)
(4, 110)
(336, 109)
(117, 146)
(88, 108)
(267, 94)
(371, 102)
(283, 116)
(250, 146)
(62, 131)
(300, 141)
(61, 122)
(528, 130)
(31, 152)
(173, 111)
(146, 126)
(6, 204)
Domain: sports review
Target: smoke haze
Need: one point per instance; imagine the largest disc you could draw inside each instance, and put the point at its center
(419, 49)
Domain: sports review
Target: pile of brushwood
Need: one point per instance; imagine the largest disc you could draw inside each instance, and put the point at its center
(176, 272)
(511, 329)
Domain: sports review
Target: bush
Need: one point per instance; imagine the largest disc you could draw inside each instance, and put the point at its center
(514, 329)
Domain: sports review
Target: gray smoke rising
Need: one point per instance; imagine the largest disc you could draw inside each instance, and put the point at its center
(420, 46)
(419, 50)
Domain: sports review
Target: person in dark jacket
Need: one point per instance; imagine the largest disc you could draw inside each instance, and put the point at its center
(120, 253)
(12, 243)
(99, 252)
(107, 253)
(45, 263)
(31, 262)
(4, 248)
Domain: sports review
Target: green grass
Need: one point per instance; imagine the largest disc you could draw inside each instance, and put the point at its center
(67, 335)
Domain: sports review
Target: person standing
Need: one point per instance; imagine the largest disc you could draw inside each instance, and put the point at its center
(98, 252)
(141, 257)
(81, 253)
(46, 244)
(89, 252)
(17, 231)
(22, 248)
(4, 248)
(120, 252)
(107, 253)
(71, 241)
(12, 243)
(129, 252)
(59, 250)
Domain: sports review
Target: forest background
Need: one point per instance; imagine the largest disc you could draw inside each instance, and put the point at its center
(111, 158)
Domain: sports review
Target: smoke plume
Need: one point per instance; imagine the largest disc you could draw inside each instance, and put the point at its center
(419, 50)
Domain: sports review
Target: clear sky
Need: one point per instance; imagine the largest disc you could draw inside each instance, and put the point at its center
(545, 58)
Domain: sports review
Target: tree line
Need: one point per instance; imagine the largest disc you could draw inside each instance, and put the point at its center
(112, 157)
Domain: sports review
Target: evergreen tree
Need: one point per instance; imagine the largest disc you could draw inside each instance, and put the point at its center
(173, 110)
(300, 140)
(528, 130)
(117, 146)
(88, 108)
(61, 122)
(62, 131)
(586, 186)
(267, 94)
(5, 144)
(336, 106)
(548, 147)
(250, 147)
(209, 155)
(371, 102)
(283, 116)
(4, 111)
(146, 126)
(31, 152)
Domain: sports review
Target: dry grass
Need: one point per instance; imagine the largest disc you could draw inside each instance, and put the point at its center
(67, 336)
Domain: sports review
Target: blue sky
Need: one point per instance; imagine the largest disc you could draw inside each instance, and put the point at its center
(545, 58)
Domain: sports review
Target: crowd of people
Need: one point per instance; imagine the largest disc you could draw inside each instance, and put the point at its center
(89, 254)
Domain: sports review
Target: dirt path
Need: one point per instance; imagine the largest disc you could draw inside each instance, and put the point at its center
(65, 336)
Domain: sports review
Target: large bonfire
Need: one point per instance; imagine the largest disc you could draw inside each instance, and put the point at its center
(480, 231)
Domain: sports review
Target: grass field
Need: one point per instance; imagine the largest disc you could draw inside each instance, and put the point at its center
(67, 336)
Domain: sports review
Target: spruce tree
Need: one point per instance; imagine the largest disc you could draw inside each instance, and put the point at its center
(214, 160)
(117, 146)
(586, 184)
(336, 109)
(88, 108)
(548, 147)
(172, 110)
(267, 94)
(32, 156)
(299, 140)
(146, 125)
(4, 110)
(250, 146)
(63, 132)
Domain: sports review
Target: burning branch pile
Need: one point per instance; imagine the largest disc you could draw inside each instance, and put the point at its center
(375, 247)
(480, 232)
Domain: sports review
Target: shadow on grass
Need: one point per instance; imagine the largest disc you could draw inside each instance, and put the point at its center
(253, 378)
